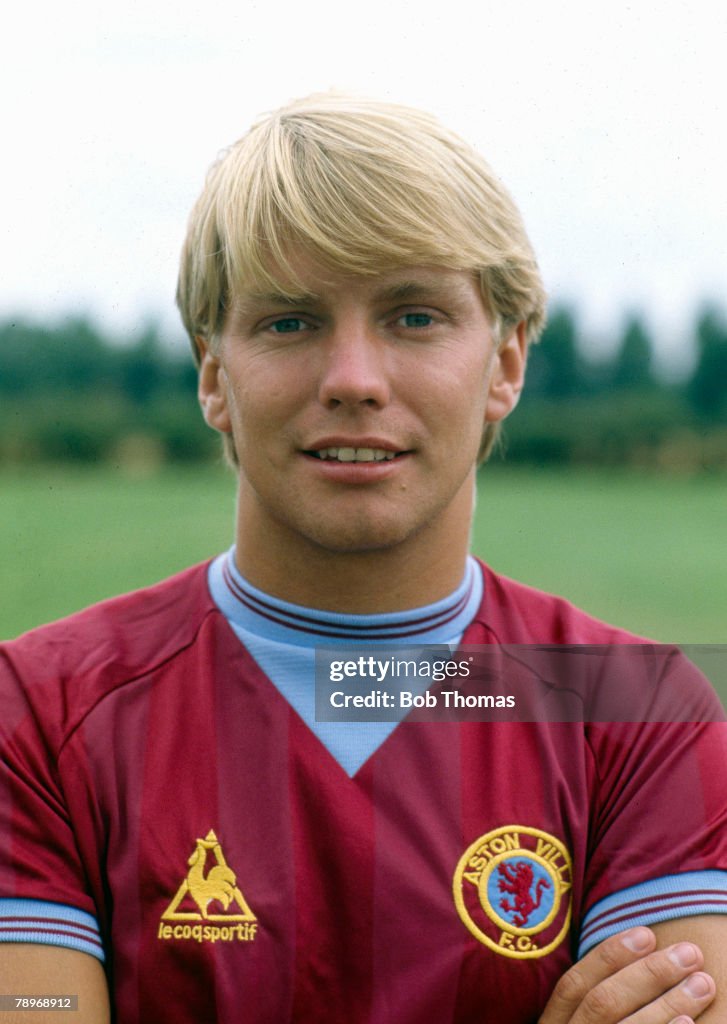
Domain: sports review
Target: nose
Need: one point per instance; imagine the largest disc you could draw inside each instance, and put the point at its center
(354, 367)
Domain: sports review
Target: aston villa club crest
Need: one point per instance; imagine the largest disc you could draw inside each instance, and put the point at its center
(512, 890)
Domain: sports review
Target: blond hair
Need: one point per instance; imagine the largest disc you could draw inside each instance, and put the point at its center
(363, 187)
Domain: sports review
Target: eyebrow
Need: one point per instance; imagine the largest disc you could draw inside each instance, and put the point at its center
(397, 292)
(407, 290)
(255, 299)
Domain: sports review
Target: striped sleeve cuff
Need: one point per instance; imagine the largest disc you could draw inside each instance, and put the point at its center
(51, 924)
(660, 899)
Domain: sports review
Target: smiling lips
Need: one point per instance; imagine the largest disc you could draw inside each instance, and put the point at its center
(355, 454)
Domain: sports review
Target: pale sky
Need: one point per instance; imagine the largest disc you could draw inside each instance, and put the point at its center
(607, 123)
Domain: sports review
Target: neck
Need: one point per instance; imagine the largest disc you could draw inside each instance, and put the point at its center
(420, 570)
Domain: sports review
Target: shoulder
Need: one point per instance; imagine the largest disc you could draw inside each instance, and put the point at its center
(634, 678)
(513, 612)
(71, 664)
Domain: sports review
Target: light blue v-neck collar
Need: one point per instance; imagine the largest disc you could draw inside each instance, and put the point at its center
(282, 637)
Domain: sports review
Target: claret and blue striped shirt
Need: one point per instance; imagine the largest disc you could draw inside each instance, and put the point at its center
(169, 804)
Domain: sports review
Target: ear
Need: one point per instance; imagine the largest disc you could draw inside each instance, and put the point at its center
(212, 388)
(508, 374)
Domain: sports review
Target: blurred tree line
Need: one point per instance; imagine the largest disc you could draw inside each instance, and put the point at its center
(69, 393)
(619, 410)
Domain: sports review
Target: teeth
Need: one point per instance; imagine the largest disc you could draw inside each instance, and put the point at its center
(356, 454)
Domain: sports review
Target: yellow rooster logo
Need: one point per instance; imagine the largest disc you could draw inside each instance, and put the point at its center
(219, 884)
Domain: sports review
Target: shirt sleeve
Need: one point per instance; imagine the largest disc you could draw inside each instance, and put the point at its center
(50, 924)
(658, 828)
(657, 899)
(44, 894)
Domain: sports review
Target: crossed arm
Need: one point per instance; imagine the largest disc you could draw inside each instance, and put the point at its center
(672, 977)
(660, 975)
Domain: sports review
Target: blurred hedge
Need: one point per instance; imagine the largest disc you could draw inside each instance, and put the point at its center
(655, 430)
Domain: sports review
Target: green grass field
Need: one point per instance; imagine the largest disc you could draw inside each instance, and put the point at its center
(648, 554)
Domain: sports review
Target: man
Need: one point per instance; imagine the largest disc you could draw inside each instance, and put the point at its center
(360, 293)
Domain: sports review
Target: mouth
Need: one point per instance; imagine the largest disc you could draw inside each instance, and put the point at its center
(348, 454)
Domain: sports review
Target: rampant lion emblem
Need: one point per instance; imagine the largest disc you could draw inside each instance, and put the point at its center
(512, 889)
(517, 880)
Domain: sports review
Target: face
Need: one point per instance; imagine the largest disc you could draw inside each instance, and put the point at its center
(357, 408)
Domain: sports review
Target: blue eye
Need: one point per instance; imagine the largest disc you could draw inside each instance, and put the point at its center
(416, 319)
(287, 325)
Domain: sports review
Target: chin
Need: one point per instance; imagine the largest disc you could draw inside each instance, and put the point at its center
(359, 538)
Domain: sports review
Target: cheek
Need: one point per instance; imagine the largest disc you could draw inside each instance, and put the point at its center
(468, 408)
(242, 421)
(262, 413)
(462, 390)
